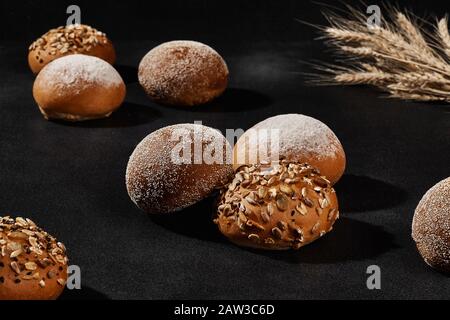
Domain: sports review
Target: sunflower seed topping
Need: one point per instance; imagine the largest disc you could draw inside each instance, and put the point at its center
(331, 214)
(282, 225)
(22, 222)
(270, 209)
(15, 267)
(265, 216)
(16, 253)
(277, 233)
(286, 189)
(301, 208)
(31, 266)
(282, 202)
(308, 202)
(323, 203)
(321, 182)
(304, 192)
(262, 192)
(316, 227)
(250, 200)
(73, 38)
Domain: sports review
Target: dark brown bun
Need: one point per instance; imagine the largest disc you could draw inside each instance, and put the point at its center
(183, 73)
(301, 139)
(277, 207)
(431, 226)
(77, 88)
(33, 264)
(73, 39)
(159, 183)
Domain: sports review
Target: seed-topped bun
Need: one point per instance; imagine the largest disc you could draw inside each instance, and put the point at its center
(277, 207)
(68, 40)
(77, 88)
(431, 226)
(183, 73)
(33, 264)
(177, 166)
(298, 138)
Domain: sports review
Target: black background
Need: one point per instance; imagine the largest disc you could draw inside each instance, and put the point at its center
(69, 178)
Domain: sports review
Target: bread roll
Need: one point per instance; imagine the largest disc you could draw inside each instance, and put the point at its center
(172, 169)
(33, 264)
(77, 88)
(72, 39)
(431, 226)
(277, 207)
(183, 73)
(293, 137)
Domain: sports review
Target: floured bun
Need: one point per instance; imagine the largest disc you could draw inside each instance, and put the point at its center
(77, 88)
(294, 137)
(431, 226)
(183, 73)
(177, 166)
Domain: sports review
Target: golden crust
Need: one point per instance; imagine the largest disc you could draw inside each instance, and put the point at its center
(78, 88)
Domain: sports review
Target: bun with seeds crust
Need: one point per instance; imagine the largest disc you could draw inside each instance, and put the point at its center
(72, 39)
(33, 264)
(277, 207)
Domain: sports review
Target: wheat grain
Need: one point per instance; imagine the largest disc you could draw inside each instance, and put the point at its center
(421, 79)
(444, 36)
(347, 35)
(412, 33)
(415, 96)
(355, 78)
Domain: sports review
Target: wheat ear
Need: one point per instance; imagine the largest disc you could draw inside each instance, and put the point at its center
(398, 56)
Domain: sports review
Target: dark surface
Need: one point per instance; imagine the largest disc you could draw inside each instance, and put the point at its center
(69, 178)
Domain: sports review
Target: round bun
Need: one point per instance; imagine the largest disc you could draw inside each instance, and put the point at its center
(277, 207)
(33, 265)
(68, 40)
(298, 138)
(183, 73)
(431, 226)
(77, 88)
(171, 170)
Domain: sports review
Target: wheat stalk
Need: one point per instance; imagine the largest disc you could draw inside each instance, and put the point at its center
(398, 57)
